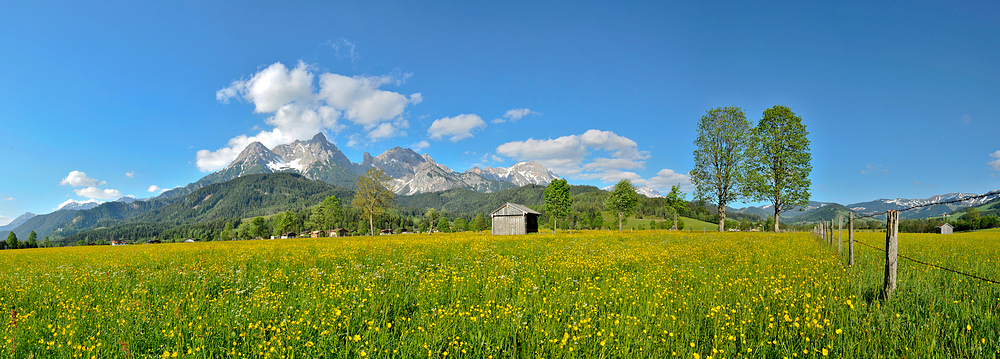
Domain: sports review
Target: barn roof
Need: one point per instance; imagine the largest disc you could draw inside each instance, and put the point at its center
(515, 209)
(942, 225)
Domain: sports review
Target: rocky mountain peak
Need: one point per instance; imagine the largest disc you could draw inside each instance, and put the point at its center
(520, 174)
(305, 153)
(399, 162)
(255, 153)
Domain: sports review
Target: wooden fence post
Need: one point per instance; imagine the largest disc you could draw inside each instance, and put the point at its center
(829, 233)
(850, 239)
(840, 234)
(891, 250)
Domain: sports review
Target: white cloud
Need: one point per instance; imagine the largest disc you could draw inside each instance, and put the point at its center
(272, 88)
(344, 48)
(667, 178)
(79, 179)
(566, 155)
(995, 163)
(457, 128)
(130, 174)
(354, 140)
(514, 115)
(419, 146)
(9, 199)
(153, 188)
(71, 201)
(300, 110)
(97, 193)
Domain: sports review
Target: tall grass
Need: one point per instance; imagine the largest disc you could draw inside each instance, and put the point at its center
(589, 294)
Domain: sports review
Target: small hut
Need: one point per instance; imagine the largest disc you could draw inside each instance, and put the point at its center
(318, 234)
(339, 232)
(514, 218)
(944, 228)
(386, 232)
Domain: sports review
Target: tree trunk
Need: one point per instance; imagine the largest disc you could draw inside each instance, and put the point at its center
(776, 229)
(675, 220)
(722, 218)
(371, 225)
(619, 221)
(553, 224)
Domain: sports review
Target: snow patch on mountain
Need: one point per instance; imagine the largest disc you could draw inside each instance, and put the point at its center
(643, 190)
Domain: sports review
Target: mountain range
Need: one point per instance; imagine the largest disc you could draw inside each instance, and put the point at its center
(411, 173)
(877, 206)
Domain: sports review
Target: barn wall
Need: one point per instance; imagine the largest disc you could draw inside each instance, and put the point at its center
(508, 225)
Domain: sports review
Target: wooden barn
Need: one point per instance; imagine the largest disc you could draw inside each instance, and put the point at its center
(944, 229)
(339, 232)
(514, 219)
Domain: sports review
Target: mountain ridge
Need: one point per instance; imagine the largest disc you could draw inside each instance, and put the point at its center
(411, 173)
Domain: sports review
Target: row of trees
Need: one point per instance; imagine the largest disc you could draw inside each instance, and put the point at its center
(13, 243)
(770, 162)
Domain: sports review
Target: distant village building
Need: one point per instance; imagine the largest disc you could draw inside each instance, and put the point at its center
(339, 232)
(944, 229)
(513, 218)
(387, 232)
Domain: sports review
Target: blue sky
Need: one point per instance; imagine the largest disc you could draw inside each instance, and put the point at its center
(901, 100)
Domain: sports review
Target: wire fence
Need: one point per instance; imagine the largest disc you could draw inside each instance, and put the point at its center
(929, 264)
(956, 200)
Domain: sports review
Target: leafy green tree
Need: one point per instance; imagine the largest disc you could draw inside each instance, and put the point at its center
(596, 220)
(443, 226)
(284, 223)
(243, 231)
(971, 215)
(12, 240)
(723, 136)
(744, 224)
(779, 162)
(459, 225)
(258, 227)
(326, 215)
(432, 216)
(227, 233)
(373, 196)
(424, 227)
(478, 224)
(32, 240)
(622, 201)
(557, 200)
(675, 203)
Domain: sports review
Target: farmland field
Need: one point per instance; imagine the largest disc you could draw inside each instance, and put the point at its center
(589, 294)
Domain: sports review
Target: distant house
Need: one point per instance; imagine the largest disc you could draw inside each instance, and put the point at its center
(339, 232)
(288, 235)
(119, 242)
(513, 218)
(387, 232)
(318, 234)
(944, 229)
(189, 240)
